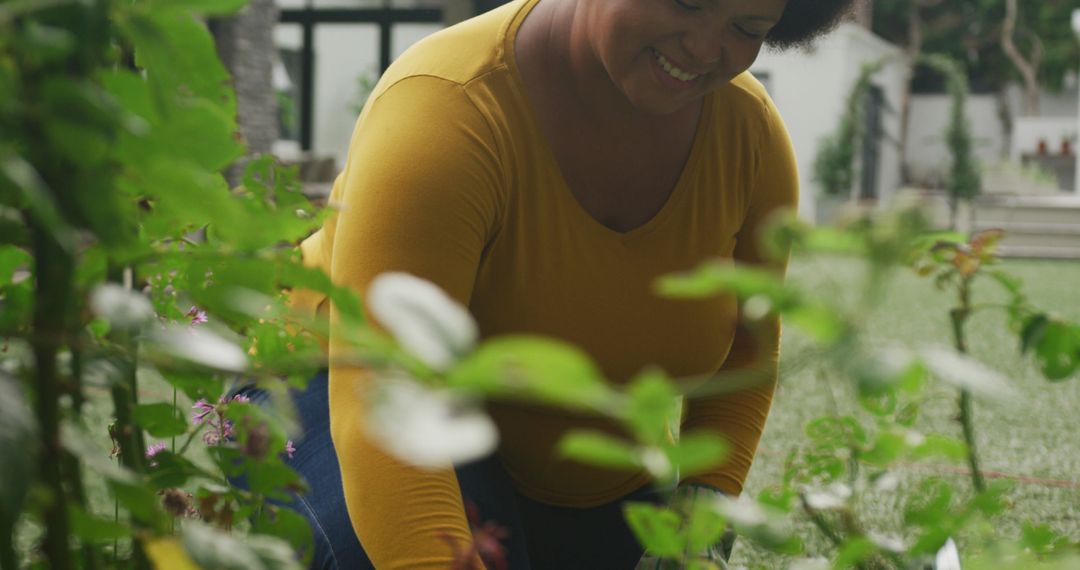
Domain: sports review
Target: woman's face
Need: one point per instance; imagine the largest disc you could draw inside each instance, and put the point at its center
(665, 54)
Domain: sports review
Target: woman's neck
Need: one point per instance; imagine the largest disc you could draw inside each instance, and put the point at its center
(558, 45)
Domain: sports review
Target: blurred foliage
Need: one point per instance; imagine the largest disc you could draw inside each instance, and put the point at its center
(969, 31)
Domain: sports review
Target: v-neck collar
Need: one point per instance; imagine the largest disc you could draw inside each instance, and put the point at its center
(564, 192)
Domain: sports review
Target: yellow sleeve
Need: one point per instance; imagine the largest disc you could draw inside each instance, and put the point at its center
(418, 195)
(740, 417)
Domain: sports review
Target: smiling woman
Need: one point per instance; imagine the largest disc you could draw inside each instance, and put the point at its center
(543, 164)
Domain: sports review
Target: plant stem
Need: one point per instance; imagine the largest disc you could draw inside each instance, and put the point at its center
(54, 271)
(959, 320)
(969, 436)
(125, 391)
(72, 468)
(820, 522)
(7, 551)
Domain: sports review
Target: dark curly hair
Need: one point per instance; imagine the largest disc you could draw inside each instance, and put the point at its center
(806, 20)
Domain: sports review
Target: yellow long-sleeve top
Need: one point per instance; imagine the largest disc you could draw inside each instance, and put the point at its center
(450, 178)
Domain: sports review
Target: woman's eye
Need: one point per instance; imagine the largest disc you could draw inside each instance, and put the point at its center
(748, 34)
(687, 5)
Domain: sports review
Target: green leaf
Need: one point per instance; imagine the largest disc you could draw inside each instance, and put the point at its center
(1041, 538)
(706, 526)
(161, 420)
(930, 504)
(132, 92)
(533, 367)
(854, 551)
(888, 447)
(91, 529)
(715, 278)
(596, 448)
(18, 177)
(205, 7)
(12, 258)
(173, 470)
(178, 54)
(204, 136)
(656, 528)
(196, 385)
(271, 478)
(653, 405)
(826, 239)
(346, 300)
(937, 445)
(1032, 332)
(820, 322)
(210, 548)
(141, 501)
(1057, 350)
(288, 525)
(697, 452)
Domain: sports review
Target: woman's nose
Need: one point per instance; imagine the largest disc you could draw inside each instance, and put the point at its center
(705, 44)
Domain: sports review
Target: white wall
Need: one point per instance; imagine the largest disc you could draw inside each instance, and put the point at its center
(1029, 131)
(344, 52)
(927, 154)
(1061, 104)
(810, 89)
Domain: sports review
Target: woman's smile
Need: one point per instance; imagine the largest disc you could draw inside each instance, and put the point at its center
(673, 75)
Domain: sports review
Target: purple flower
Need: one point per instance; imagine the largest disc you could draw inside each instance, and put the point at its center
(240, 398)
(202, 409)
(153, 450)
(290, 449)
(197, 316)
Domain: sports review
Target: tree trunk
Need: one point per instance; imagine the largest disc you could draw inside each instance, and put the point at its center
(1006, 118)
(863, 14)
(246, 45)
(1028, 67)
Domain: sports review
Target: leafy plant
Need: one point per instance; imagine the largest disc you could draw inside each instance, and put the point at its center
(965, 182)
(834, 165)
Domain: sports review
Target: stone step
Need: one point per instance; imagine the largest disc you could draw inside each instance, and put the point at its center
(1039, 252)
(1037, 235)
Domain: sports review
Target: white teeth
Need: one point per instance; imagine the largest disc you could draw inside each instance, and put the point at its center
(672, 70)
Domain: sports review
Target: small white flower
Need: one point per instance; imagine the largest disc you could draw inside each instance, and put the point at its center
(427, 428)
(889, 542)
(965, 372)
(122, 307)
(744, 511)
(817, 563)
(833, 497)
(200, 346)
(948, 558)
(887, 483)
(423, 318)
(655, 462)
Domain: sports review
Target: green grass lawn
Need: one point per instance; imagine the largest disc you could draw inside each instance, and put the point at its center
(1034, 439)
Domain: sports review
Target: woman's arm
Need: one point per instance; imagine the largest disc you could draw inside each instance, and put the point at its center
(740, 417)
(419, 195)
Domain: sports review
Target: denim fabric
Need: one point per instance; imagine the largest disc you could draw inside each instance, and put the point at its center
(541, 537)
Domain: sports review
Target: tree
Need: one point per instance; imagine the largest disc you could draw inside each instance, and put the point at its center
(245, 44)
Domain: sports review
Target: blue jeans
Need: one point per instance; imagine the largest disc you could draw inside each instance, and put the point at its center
(541, 536)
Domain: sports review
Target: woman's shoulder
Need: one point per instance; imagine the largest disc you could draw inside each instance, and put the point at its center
(460, 54)
(748, 97)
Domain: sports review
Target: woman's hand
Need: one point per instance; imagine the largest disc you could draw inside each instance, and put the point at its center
(715, 556)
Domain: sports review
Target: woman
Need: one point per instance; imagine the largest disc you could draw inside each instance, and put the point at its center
(544, 163)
